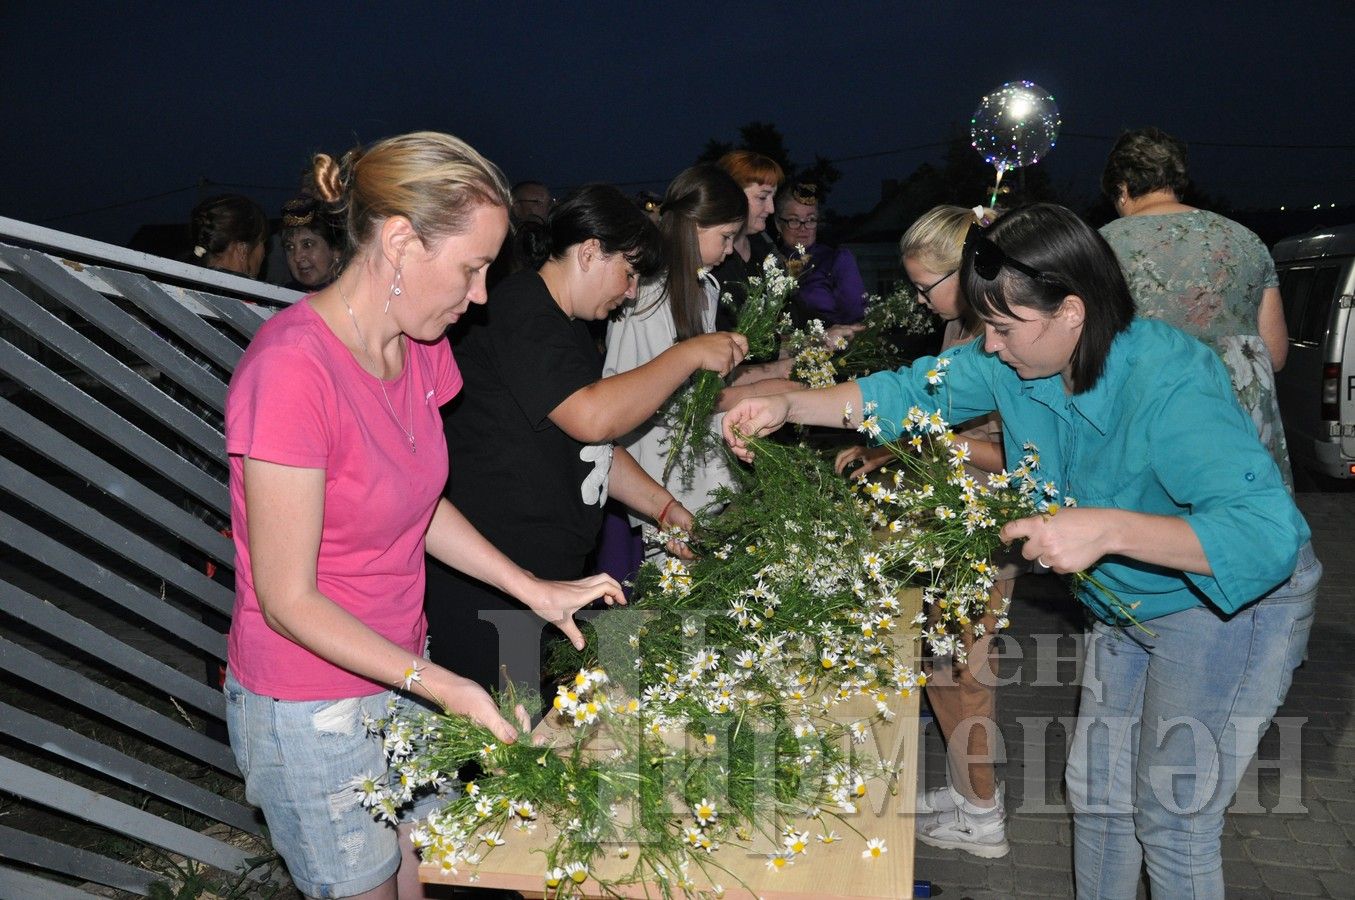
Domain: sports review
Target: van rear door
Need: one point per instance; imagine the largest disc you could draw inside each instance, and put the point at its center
(1345, 320)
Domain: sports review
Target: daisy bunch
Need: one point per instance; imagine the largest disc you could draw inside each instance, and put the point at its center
(888, 318)
(708, 712)
(689, 413)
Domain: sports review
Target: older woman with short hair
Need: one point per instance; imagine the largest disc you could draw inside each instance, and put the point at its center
(313, 241)
(1207, 275)
(831, 288)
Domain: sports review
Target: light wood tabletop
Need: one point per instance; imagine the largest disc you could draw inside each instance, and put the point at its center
(835, 871)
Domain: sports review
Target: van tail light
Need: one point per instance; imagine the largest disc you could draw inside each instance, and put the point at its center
(1331, 392)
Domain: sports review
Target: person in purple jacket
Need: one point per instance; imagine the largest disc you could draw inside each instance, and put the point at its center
(831, 288)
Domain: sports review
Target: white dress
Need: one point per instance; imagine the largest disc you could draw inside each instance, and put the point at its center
(642, 333)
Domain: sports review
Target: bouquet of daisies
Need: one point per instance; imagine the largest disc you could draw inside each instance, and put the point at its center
(819, 363)
(758, 320)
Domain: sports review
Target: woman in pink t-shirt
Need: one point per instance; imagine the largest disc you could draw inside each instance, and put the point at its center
(337, 464)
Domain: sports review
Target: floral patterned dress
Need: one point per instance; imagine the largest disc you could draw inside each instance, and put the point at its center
(1205, 274)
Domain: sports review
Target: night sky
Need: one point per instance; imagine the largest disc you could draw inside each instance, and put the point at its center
(106, 103)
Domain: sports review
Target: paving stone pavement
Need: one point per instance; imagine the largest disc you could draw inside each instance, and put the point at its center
(1291, 831)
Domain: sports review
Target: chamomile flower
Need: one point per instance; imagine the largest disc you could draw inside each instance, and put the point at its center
(705, 812)
(412, 674)
(875, 848)
(369, 790)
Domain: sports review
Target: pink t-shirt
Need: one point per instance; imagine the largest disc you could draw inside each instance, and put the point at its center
(299, 398)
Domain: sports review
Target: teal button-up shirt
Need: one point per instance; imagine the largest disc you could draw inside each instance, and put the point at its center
(1161, 432)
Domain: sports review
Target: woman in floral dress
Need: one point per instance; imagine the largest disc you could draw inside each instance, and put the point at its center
(1205, 274)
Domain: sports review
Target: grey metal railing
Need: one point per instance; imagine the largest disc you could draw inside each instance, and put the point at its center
(115, 577)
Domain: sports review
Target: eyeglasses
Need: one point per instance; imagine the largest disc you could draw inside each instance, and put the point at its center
(797, 222)
(989, 259)
(926, 292)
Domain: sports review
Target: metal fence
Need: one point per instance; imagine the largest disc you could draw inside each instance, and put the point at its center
(115, 578)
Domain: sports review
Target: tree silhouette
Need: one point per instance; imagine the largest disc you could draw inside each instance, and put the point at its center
(766, 138)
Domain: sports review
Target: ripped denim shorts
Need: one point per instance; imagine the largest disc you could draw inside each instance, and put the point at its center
(300, 760)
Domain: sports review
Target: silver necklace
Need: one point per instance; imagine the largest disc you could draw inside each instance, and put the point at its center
(371, 360)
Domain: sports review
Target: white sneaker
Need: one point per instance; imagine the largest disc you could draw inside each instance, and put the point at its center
(982, 833)
(938, 799)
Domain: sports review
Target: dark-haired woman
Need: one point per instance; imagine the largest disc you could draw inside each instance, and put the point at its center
(1207, 275)
(703, 212)
(312, 241)
(229, 232)
(1181, 512)
(831, 289)
(533, 435)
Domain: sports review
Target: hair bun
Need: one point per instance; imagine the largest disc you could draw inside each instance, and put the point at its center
(328, 177)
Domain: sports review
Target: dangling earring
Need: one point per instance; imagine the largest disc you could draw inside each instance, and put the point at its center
(396, 289)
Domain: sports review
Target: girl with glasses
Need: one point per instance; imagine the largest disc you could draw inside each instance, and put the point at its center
(967, 813)
(1181, 512)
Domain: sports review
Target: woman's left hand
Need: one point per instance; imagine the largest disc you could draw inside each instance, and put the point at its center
(1071, 540)
(558, 601)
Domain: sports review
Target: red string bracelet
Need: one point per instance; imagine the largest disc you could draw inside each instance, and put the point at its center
(663, 512)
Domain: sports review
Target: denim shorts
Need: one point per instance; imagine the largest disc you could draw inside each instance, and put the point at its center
(300, 759)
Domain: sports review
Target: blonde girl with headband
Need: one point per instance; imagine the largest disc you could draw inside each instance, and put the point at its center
(967, 813)
(337, 463)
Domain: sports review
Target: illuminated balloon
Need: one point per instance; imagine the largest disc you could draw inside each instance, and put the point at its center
(1015, 125)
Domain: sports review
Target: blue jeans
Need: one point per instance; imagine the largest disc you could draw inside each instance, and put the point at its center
(301, 760)
(1166, 728)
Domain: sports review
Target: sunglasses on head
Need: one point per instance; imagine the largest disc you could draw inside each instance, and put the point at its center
(989, 259)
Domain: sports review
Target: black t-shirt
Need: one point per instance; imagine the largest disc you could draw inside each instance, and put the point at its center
(732, 276)
(532, 490)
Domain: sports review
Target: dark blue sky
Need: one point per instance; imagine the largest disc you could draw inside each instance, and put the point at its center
(104, 103)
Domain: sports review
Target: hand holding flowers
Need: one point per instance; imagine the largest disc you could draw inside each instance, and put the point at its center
(757, 323)
(1071, 541)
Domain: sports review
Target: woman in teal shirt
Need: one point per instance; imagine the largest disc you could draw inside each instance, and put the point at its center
(1180, 510)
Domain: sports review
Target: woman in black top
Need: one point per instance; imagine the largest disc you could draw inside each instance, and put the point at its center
(532, 433)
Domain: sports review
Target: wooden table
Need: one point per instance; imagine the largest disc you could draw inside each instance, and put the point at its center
(825, 871)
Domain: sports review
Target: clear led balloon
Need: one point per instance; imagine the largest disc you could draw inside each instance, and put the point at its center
(1014, 126)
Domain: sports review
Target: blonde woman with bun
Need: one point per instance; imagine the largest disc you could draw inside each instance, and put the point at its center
(337, 463)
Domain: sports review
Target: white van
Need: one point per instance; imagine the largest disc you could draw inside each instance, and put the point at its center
(1316, 388)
